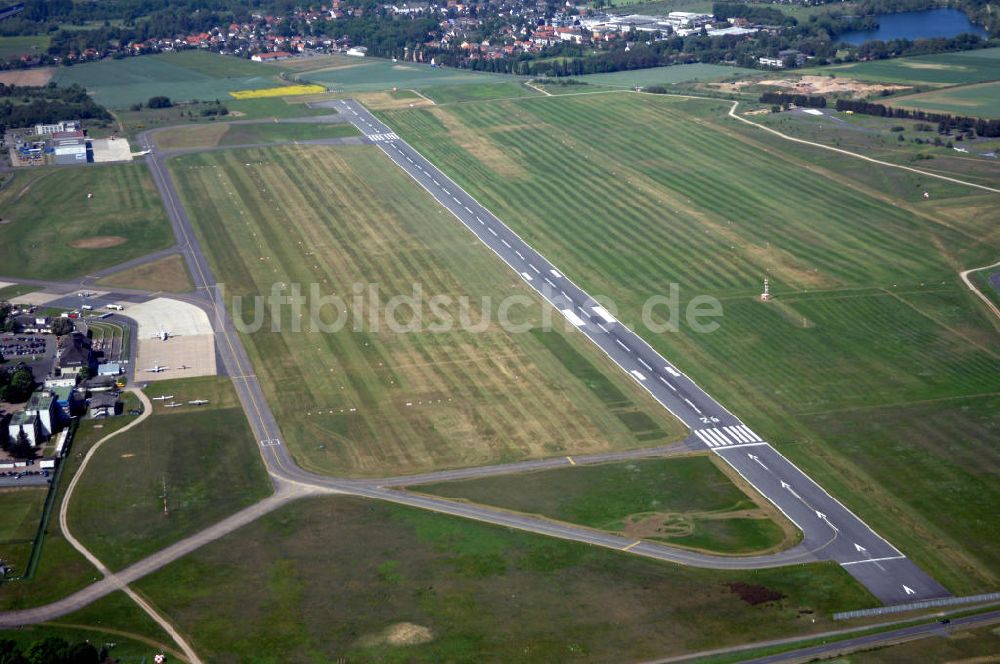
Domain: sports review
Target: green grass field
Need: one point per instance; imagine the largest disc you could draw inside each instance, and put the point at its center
(447, 94)
(51, 229)
(115, 622)
(182, 76)
(375, 401)
(167, 274)
(869, 318)
(174, 474)
(370, 74)
(933, 70)
(383, 583)
(978, 100)
(663, 75)
(213, 135)
(61, 570)
(686, 501)
(14, 47)
(19, 519)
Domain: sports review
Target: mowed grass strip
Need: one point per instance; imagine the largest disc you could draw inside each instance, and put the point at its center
(213, 135)
(686, 501)
(377, 582)
(375, 401)
(52, 230)
(869, 308)
(167, 274)
(179, 471)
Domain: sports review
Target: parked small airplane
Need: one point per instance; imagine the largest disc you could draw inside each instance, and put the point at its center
(156, 368)
(184, 366)
(198, 402)
(173, 405)
(163, 335)
(163, 398)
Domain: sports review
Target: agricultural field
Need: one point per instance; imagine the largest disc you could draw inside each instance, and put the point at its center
(869, 320)
(368, 398)
(664, 75)
(686, 501)
(14, 47)
(52, 230)
(980, 100)
(378, 582)
(283, 91)
(213, 135)
(182, 76)
(371, 74)
(19, 519)
(167, 274)
(941, 69)
(181, 470)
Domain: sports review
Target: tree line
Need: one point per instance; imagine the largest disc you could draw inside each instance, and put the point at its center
(946, 122)
(52, 650)
(782, 98)
(23, 106)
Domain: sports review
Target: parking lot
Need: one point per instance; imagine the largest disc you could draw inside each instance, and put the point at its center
(25, 347)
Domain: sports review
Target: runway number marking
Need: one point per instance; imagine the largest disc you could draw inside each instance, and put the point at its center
(270, 442)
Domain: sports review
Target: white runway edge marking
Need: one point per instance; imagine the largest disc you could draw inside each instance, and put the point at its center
(527, 277)
(692, 405)
(638, 374)
(871, 560)
(603, 313)
(622, 344)
(572, 317)
(667, 383)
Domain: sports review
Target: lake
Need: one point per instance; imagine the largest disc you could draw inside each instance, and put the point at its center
(916, 25)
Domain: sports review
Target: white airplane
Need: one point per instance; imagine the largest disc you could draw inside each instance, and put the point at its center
(173, 405)
(162, 335)
(198, 402)
(163, 398)
(156, 368)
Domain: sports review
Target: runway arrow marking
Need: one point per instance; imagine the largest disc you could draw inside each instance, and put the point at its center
(823, 516)
(859, 547)
(909, 590)
(757, 460)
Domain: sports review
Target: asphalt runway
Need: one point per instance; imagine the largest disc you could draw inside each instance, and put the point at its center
(830, 530)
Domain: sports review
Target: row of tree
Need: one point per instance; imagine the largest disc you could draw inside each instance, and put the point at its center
(981, 126)
(22, 106)
(782, 98)
(51, 650)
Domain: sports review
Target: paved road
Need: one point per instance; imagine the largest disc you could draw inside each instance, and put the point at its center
(900, 635)
(830, 530)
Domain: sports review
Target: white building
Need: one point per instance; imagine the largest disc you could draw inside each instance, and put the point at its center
(65, 125)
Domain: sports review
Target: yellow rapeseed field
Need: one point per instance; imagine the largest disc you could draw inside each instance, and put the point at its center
(284, 91)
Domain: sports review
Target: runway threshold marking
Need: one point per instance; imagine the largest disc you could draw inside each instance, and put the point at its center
(632, 545)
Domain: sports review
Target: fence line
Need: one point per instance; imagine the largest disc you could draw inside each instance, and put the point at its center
(925, 604)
